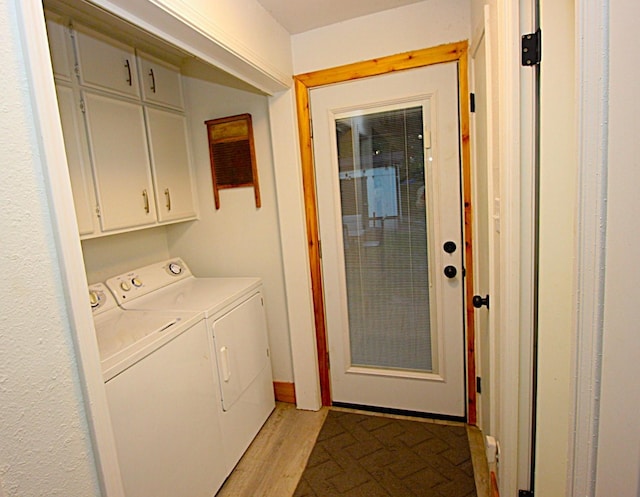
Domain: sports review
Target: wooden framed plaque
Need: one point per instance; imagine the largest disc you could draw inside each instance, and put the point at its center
(232, 154)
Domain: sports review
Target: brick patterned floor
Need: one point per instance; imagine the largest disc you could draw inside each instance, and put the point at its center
(357, 455)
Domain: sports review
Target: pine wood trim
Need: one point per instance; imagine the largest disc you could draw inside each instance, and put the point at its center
(311, 211)
(284, 391)
(463, 82)
(495, 491)
(451, 52)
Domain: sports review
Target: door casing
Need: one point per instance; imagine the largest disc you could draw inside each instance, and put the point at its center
(451, 52)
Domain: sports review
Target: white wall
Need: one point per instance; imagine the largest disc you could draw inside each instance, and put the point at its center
(420, 25)
(45, 447)
(108, 256)
(618, 464)
(558, 203)
(238, 239)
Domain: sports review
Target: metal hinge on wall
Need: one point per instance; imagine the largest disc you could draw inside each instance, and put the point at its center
(478, 384)
(532, 48)
(472, 102)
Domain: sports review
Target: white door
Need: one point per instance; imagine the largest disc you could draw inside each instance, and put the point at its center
(486, 221)
(120, 162)
(168, 144)
(161, 82)
(75, 145)
(388, 184)
(106, 64)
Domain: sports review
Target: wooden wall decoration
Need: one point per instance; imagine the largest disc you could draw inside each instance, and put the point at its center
(232, 154)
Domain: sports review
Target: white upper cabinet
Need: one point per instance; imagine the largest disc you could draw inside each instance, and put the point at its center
(84, 198)
(106, 64)
(169, 148)
(161, 83)
(124, 130)
(59, 48)
(120, 162)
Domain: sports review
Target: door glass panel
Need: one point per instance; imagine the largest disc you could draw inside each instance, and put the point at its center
(381, 160)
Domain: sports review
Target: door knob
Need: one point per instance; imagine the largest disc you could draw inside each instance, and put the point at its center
(450, 271)
(479, 301)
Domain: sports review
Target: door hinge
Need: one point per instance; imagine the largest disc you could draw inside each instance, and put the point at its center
(98, 210)
(83, 108)
(328, 361)
(319, 249)
(525, 493)
(478, 384)
(472, 102)
(532, 48)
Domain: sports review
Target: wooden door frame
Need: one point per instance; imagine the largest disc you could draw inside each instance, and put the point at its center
(451, 52)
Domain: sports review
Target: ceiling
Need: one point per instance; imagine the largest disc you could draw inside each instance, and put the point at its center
(298, 16)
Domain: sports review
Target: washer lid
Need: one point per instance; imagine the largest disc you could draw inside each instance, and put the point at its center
(124, 337)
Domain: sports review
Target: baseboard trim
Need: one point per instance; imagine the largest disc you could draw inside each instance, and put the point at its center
(284, 391)
(495, 492)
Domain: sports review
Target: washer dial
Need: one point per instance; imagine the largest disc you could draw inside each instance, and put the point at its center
(174, 268)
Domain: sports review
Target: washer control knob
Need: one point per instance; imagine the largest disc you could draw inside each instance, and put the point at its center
(125, 286)
(136, 282)
(94, 298)
(175, 268)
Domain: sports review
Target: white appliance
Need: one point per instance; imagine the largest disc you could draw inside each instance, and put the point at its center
(162, 398)
(235, 319)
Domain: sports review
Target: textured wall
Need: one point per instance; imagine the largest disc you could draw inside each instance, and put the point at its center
(618, 471)
(44, 445)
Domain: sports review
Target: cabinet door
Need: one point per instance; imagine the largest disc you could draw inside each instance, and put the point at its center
(120, 162)
(78, 159)
(59, 47)
(161, 82)
(105, 63)
(171, 165)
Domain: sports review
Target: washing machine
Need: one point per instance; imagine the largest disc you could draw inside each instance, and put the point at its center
(237, 331)
(161, 397)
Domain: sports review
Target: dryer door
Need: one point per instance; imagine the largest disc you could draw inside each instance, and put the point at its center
(240, 339)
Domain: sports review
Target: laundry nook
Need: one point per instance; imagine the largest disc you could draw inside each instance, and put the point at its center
(318, 248)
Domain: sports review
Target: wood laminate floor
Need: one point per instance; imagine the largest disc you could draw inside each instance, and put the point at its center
(274, 462)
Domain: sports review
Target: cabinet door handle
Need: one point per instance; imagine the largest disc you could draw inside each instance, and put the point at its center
(145, 196)
(128, 66)
(153, 80)
(167, 194)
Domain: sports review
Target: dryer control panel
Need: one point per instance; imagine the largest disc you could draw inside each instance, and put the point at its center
(138, 282)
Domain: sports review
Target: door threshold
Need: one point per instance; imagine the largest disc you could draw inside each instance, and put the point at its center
(399, 412)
